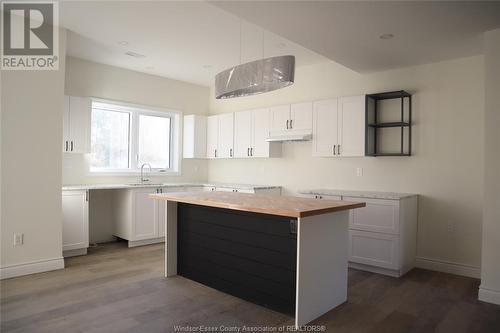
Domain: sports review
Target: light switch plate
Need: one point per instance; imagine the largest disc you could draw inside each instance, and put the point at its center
(18, 239)
(359, 172)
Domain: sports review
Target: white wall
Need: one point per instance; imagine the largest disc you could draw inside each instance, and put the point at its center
(85, 78)
(31, 134)
(447, 169)
(490, 269)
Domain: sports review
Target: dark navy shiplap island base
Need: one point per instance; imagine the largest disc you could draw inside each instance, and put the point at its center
(286, 253)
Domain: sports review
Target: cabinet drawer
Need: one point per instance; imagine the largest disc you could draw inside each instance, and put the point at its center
(376, 249)
(379, 215)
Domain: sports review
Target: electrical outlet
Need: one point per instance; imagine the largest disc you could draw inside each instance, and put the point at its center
(359, 172)
(18, 239)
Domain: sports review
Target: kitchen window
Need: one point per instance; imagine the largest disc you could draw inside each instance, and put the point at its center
(124, 137)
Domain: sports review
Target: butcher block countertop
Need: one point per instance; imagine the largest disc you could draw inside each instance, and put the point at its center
(258, 203)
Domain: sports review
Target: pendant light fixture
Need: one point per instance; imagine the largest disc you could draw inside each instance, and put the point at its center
(255, 77)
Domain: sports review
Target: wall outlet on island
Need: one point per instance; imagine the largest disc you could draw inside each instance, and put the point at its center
(359, 172)
(18, 239)
(450, 227)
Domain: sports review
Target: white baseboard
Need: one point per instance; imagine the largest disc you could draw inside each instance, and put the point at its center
(39, 266)
(146, 242)
(488, 295)
(448, 267)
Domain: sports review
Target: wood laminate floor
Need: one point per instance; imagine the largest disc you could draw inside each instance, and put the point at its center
(116, 289)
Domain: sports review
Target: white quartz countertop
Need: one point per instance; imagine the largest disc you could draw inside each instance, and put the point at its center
(135, 185)
(359, 194)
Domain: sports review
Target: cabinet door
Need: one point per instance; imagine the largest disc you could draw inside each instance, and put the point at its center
(376, 249)
(194, 140)
(301, 116)
(352, 126)
(260, 132)
(226, 135)
(379, 215)
(325, 127)
(75, 227)
(66, 124)
(212, 136)
(145, 216)
(242, 133)
(280, 118)
(79, 124)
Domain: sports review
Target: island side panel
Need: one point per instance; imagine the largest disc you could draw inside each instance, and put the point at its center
(170, 238)
(249, 255)
(322, 256)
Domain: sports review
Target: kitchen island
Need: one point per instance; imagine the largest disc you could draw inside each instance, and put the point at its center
(286, 253)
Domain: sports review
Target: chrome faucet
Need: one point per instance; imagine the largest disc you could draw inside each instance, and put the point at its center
(142, 172)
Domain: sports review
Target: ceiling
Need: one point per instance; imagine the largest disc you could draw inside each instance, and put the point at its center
(193, 40)
(189, 41)
(348, 32)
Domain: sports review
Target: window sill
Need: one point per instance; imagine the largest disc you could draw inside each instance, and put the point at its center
(147, 173)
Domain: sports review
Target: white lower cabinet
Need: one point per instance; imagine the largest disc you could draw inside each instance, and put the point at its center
(75, 226)
(382, 235)
(139, 219)
(374, 249)
(270, 190)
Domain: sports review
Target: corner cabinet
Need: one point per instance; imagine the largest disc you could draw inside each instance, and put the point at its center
(339, 127)
(75, 226)
(195, 136)
(251, 129)
(76, 124)
(139, 219)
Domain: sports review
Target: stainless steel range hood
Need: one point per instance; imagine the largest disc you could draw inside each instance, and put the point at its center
(289, 137)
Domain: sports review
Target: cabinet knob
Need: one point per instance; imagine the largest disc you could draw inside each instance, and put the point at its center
(287, 121)
(71, 145)
(291, 123)
(230, 152)
(251, 151)
(334, 149)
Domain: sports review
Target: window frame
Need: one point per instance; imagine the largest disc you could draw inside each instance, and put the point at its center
(134, 111)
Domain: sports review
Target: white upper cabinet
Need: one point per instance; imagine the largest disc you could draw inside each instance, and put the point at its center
(294, 117)
(260, 132)
(325, 129)
(195, 136)
(339, 127)
(242, 133)
(251, 129)
(280, 118)
(76, 124)
(352, 120)
(226, 135)
(212, 136)
(301, 116)
(220, 132)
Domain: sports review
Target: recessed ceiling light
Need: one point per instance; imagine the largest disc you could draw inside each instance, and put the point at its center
(386, 36)
(281, 45)
(134, 54)
(123, 43)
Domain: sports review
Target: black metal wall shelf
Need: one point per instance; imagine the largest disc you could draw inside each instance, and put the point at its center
(375, 129)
